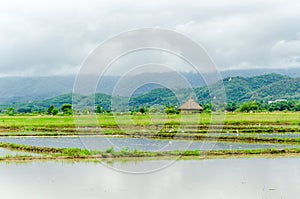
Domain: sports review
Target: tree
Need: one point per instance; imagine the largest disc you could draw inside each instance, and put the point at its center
(143, 110)
(50, 110)
(67, 109)
(24, 110)
(54, 111)
(249, 106)
(171, 110)
(207, 107)
(297, 106)
(10, 111)
(231, 106)
(99, 109)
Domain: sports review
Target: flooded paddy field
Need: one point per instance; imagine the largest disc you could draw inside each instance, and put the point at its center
(221, 178)
(142, 144)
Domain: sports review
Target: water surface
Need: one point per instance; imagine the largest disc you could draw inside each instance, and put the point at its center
(143, 144)
(209, 179)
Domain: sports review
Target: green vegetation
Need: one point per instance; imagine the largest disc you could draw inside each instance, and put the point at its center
(255, 105)
(52, 111)
(244, 122)
(67, 109)
(247, 126)
(171, 110)
(75, 153)
(238, 90)
(248, 107)
(244, 94)
(237, 127)
(10, 111)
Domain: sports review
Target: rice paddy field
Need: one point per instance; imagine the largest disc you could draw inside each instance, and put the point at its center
(250, 123)
(257, 151)
(110, 120)
(258, 129)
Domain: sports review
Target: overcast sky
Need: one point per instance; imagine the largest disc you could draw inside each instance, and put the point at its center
(53, 37)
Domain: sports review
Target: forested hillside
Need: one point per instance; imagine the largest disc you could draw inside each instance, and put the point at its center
(261, 88)
(24, 89)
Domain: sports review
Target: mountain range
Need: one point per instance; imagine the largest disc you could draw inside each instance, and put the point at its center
(29, 89)
(237, 89)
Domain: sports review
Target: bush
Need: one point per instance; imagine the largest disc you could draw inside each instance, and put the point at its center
(171, 110)
(249, 106)
(67, 109)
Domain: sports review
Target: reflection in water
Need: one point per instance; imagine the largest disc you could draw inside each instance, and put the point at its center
(143, 144)
(221, 178)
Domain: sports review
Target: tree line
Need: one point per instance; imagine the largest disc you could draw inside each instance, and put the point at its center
(255, 106)
(250, 106)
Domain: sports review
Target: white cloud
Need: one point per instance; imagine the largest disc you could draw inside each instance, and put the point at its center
(287, 52)
(246, 40)
(287, 48)
(54, 37)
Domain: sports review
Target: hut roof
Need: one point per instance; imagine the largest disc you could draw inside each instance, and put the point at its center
(190, 105)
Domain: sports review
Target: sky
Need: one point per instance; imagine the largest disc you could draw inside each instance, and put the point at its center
(54, 37)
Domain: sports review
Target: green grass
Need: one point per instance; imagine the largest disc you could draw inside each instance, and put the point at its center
(147, 125)
(75, 153)
(152, 126)
(108, 120)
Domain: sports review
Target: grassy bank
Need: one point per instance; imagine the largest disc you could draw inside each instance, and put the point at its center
(77, 154)
(108, 121)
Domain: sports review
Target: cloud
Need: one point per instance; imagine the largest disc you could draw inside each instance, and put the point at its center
(245, 39)
(287, 48)
(287, 52)
(54, 37)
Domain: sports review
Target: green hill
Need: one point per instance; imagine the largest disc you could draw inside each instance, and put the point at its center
(238, 89)
(24, 89)
(285, 89)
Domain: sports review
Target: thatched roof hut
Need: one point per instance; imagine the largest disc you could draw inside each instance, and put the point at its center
(190, 107)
